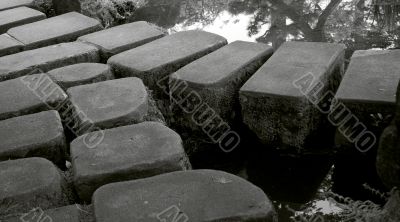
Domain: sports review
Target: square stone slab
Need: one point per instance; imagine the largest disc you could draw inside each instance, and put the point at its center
(30, 183)
(198, 195)
(276, 109)
(62, 214)
(9, 4)
(121, 38)
(45, 59)
(126, 153)
(18, 16)
(109, 104)
(63, 28)
(81, 74)
(9, 45)
(35, 135)
(30, 94)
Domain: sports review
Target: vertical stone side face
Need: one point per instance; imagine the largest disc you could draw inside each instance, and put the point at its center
(18, 16)
(279, 102)
(9, 45)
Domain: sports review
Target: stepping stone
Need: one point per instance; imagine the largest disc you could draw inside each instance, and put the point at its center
(109, 104)
(29, 183)
(9, 4)
(30, 94)
(199, 195)
(63, 28)
(62, 214)
(35, 135)
(115, 40)
(126, 153)
(164, 56)
(81, 74)
(277, 101)
(9, 45)
(216, 78)
(18, 16)
(45, 59)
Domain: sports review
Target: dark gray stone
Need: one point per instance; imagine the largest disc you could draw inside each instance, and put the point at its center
(62, 214)
(63, 28)
(18, 16)
(45, 59)
(9, 4)
(81, 74)
(126, 153)
(9, 45)
(200, 195)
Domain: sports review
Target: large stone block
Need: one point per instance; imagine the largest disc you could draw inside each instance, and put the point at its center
(63, 28)
(18, 16)
(81, 74)
(69, 213)
(9, 4)
(200, 195)
(109, 104)
(29, 183)
(35, 135)
(117, 39)
(29, 94)
(164, 56)
(279, 102)
(126, 153)
(45, 59)
(9, 45)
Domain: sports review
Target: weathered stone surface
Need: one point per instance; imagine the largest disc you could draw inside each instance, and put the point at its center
(29, 94)
(45, 59)
(217, 78)
(165, 56)
(200, 195)
(273, 103)
(29, 183)
(126, 153)
(9, 4)
(109, 104)
(81, 74)
(18, 16)
(121, 38)
(9, 45)
(35, 135)
(63, 28)
(62, 214)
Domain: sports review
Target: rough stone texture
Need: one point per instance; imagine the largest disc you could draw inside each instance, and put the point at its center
(81, 74)
(275, 109)
(62, 214)
(217, 78)
(164, 56)
(126, 153)
(109, 104)
(9, 45)
(121, 38)
(63, 28)
(45, 59)
(9, 4)
(29, 183)
(36, 135)
(201, 195)
(30, 94)
(18, 16)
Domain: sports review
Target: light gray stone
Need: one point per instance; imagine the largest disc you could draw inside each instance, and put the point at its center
(9, 4)
(9, 45)
(18, 16)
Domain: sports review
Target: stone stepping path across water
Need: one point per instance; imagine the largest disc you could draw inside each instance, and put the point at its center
(9, 4)
(126, 153)
(30, 94)
(200, 195)
(159, 58)
(69, 213)
(45, 59)
(18, 16)
(30, 183)
(35, 135)
(274, 101)
(63, 28)
(9, 45)
(109, 104)
(81, 74)
(121, 38)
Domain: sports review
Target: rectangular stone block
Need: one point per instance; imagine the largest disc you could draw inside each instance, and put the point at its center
(121, 38)
(18, 16)
(35, 135)
(69, 213)
(63, 28)
(281, 102)
(30, 94)
(45, 59)
(9, 4)
(9, 45)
